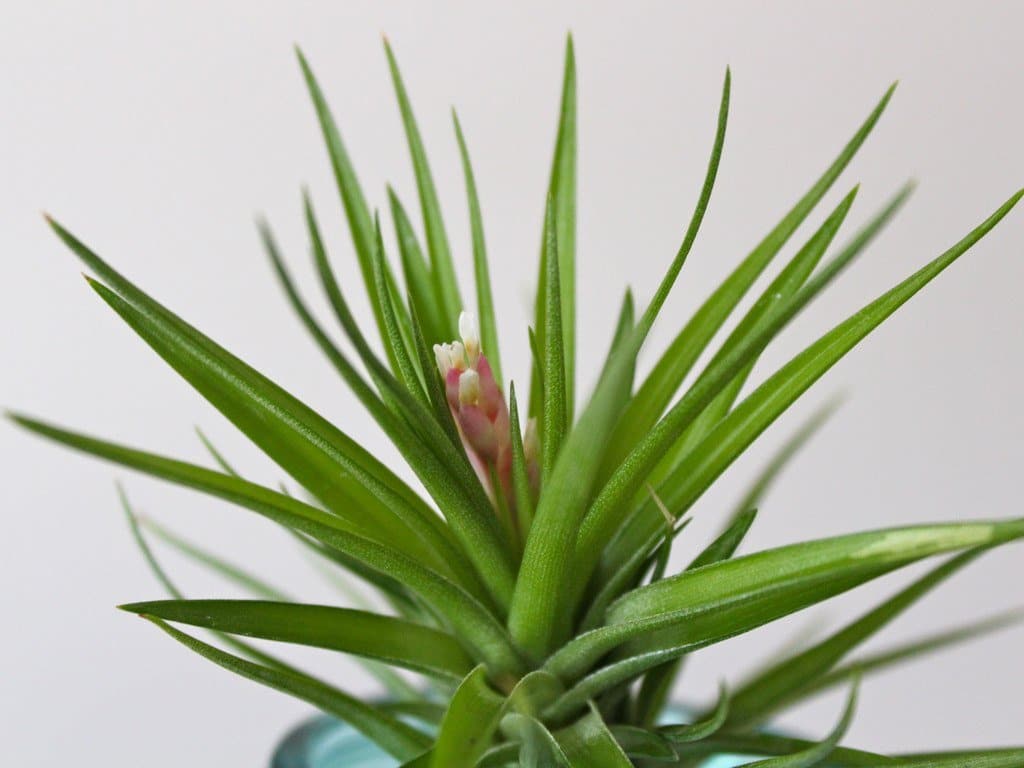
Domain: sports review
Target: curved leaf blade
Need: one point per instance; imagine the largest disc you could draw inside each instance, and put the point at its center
(361, 633)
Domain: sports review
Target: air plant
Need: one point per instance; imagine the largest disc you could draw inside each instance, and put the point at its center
(530, 593)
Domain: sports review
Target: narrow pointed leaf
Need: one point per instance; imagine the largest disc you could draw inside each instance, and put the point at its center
(520, 477)
(441, 267)
(764, 694)
(392, 735)
(685, 349)
(395, 641)
(471, 620)
(357, 213)
(701, 729)
(253, 584)
(554, 413)
(696, 608)
(642, 744)
(734, 433)
(393, 339)
(815, 755)
(901, 654)
(481, 271)
(417, 274)
(562, 196)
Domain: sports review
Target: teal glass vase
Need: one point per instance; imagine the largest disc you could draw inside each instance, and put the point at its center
(323, 742)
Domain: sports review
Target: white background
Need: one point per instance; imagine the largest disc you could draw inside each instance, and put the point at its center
(157, 130)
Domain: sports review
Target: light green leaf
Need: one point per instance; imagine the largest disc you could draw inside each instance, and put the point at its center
(349, 480)
(900, 654)
(735, 432)
(701, 729)
(233, 573)
(538, 747)
(471, 621)
(484, 299)
(815, 755)
(661, 621)
(417, 275)
(393, 339)
(520, 478)
(670, 370)
(656, 685)
(781, 289)
(759, 697)
(994, 758)
(469, 724)
(361, 633)
(760, 744)
(450, 479)
(357, 213)
(441, 267)
(588, 743)
(641, 744)
(554, 418)
(562, 196)
(392, 735)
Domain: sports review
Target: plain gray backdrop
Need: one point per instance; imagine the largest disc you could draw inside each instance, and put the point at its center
(156, 131)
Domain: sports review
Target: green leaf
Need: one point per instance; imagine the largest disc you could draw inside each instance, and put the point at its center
(900, 654)
(393, 339)
(735, 432)
(520, 477)
(661, 621)
(781, 289)
(623, 330)
(357, 213)
(641, 744)
(538, 620)
(392, 735)
(417, 274)
(217, 456)
(588, 743)
(760, 744)
(469, 724)
(349, 480)
(562, 196)
(555, 414)
(470, 620)
(484, 299)
(815, 755)
(442, 269)
(361, 633)
(657, 684)
(771, 689)
(233, 573)
(781, 458)
(670, 370)
(453, 484)
(538, 747)
(701, 729)
(994, 758)
(626, 576)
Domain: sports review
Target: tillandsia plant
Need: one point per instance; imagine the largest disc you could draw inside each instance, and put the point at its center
(531, 593)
